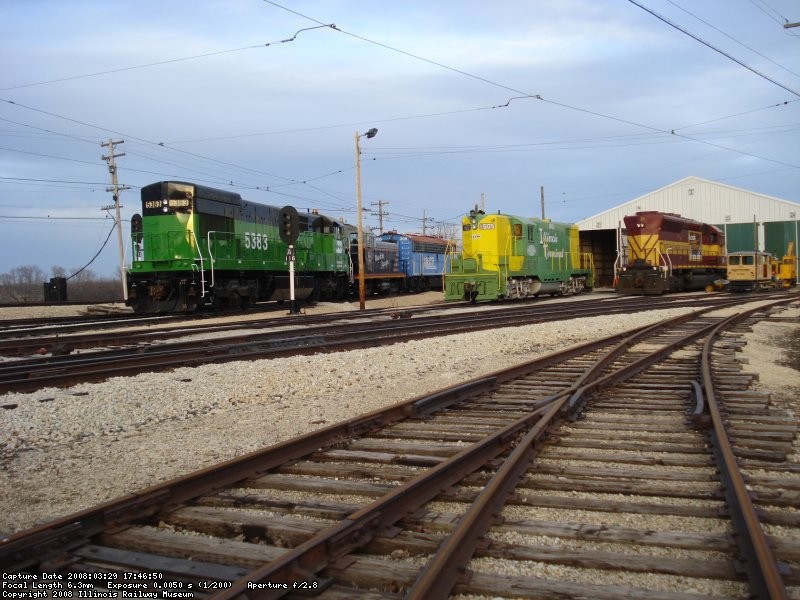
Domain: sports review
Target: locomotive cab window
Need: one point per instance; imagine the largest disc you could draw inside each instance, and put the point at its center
(517, 230)
(530, 233)
(215, 223)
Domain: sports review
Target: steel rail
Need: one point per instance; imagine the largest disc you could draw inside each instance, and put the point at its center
(442, 572)
(26, 376)
(20, 344)
(24, 549)
(766, 582)
(21, 549)
(438, 578)
(261, 329)
(362, 525)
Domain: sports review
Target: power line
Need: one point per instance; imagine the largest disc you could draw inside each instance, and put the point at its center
(525, 95)
(714, 48)
(49, 218)
(337, 126)
(55, 181)
(149, 142)
(289, 181)
(165, 62)
(423, 59)
(733, 38)
(747, 112)
(775, 16)
(116, 224)
(86, 162)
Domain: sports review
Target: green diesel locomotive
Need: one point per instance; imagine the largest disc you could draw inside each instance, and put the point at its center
(504, 256)
(194, 246)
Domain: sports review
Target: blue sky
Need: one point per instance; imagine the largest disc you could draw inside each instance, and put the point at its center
(597, 101)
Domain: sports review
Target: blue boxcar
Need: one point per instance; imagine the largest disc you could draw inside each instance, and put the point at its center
(422, 258)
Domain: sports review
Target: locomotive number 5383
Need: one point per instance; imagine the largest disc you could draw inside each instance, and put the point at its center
(255, 241)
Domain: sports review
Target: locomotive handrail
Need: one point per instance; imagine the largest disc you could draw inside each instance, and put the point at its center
(350, 269)
(211, 257)
(202, 269)
(668, 260)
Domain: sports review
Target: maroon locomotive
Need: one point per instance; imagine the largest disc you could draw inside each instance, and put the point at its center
(667, 252)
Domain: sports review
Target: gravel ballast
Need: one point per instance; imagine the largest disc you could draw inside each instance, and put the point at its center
(66, 450)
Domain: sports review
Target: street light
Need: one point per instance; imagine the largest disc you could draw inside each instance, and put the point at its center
(370, 134)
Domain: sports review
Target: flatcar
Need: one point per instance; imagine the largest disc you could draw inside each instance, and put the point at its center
(750, 271)
(670, 253)
(509, 257)
(423, 259)
(194, 246)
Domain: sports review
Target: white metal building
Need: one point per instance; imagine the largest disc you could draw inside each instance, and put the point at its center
(702, 200)
(694, 198)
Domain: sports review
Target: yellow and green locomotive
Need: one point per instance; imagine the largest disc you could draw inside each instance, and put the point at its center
(509, 257)
(195, 245)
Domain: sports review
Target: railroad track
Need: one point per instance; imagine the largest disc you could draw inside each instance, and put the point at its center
(534, 482)
(150, 351)
(37, 336)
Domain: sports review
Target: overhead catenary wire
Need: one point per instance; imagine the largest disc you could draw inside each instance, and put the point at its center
(525, 95)
(225, 179)
(774, 15)
(536, 96)
(165, 62)
(237, 181)
(152, 143)
(730, 37)
(714, 48)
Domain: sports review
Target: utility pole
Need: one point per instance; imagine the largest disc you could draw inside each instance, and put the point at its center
(360, 228)
(380, 204)
(116, 189)
(541, 192)
(424, 221)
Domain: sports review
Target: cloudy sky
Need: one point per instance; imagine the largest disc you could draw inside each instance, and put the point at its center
(597, 101)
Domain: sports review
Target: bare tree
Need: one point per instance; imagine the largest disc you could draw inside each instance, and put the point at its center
(22, 284)
(86, 286)
(27, 284)
(448, 231)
